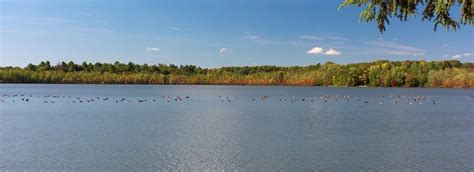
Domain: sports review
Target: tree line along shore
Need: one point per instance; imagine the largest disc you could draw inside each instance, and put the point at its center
(381, 73)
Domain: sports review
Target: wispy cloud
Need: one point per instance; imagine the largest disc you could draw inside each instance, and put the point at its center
(393, 45)
(320, 38)
(364, 47)
(337, 38)
(224, 51)
(62, 26)
(93, 30)
(64, 30)
(259, 40)
(458, 56)
(84, 14)
(310, 37)
(251, 37)
(263, 41)
(176, 29)
(152, 49)
(391, 48)
(36, 19)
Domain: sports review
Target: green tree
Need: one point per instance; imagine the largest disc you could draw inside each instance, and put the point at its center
(30, 67)
(437, 11)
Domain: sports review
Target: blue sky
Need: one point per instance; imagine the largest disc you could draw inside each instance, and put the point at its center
(213, 33)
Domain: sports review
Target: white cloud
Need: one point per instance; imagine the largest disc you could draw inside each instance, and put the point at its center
(316, 50)
(332, 52)
(224, 51)
(457, 56)
(468, 54)
(152, 49)
(319, 50)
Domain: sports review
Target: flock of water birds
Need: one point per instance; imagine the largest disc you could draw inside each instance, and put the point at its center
(76, 99)
(390, 99)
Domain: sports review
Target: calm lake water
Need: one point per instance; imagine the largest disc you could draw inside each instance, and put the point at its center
(143, 127)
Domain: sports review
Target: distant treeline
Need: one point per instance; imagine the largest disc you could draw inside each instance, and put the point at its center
(382, 73)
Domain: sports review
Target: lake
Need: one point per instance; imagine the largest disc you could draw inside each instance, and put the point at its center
(243, 128)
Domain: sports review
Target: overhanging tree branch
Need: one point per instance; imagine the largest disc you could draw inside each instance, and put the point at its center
(437, 11)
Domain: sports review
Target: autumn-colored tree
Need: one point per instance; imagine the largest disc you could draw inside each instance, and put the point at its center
(451, 73)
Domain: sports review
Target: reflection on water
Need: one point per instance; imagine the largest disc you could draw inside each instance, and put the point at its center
(137, 127)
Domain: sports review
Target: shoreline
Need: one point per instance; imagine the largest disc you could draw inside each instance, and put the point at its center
(241, 85)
